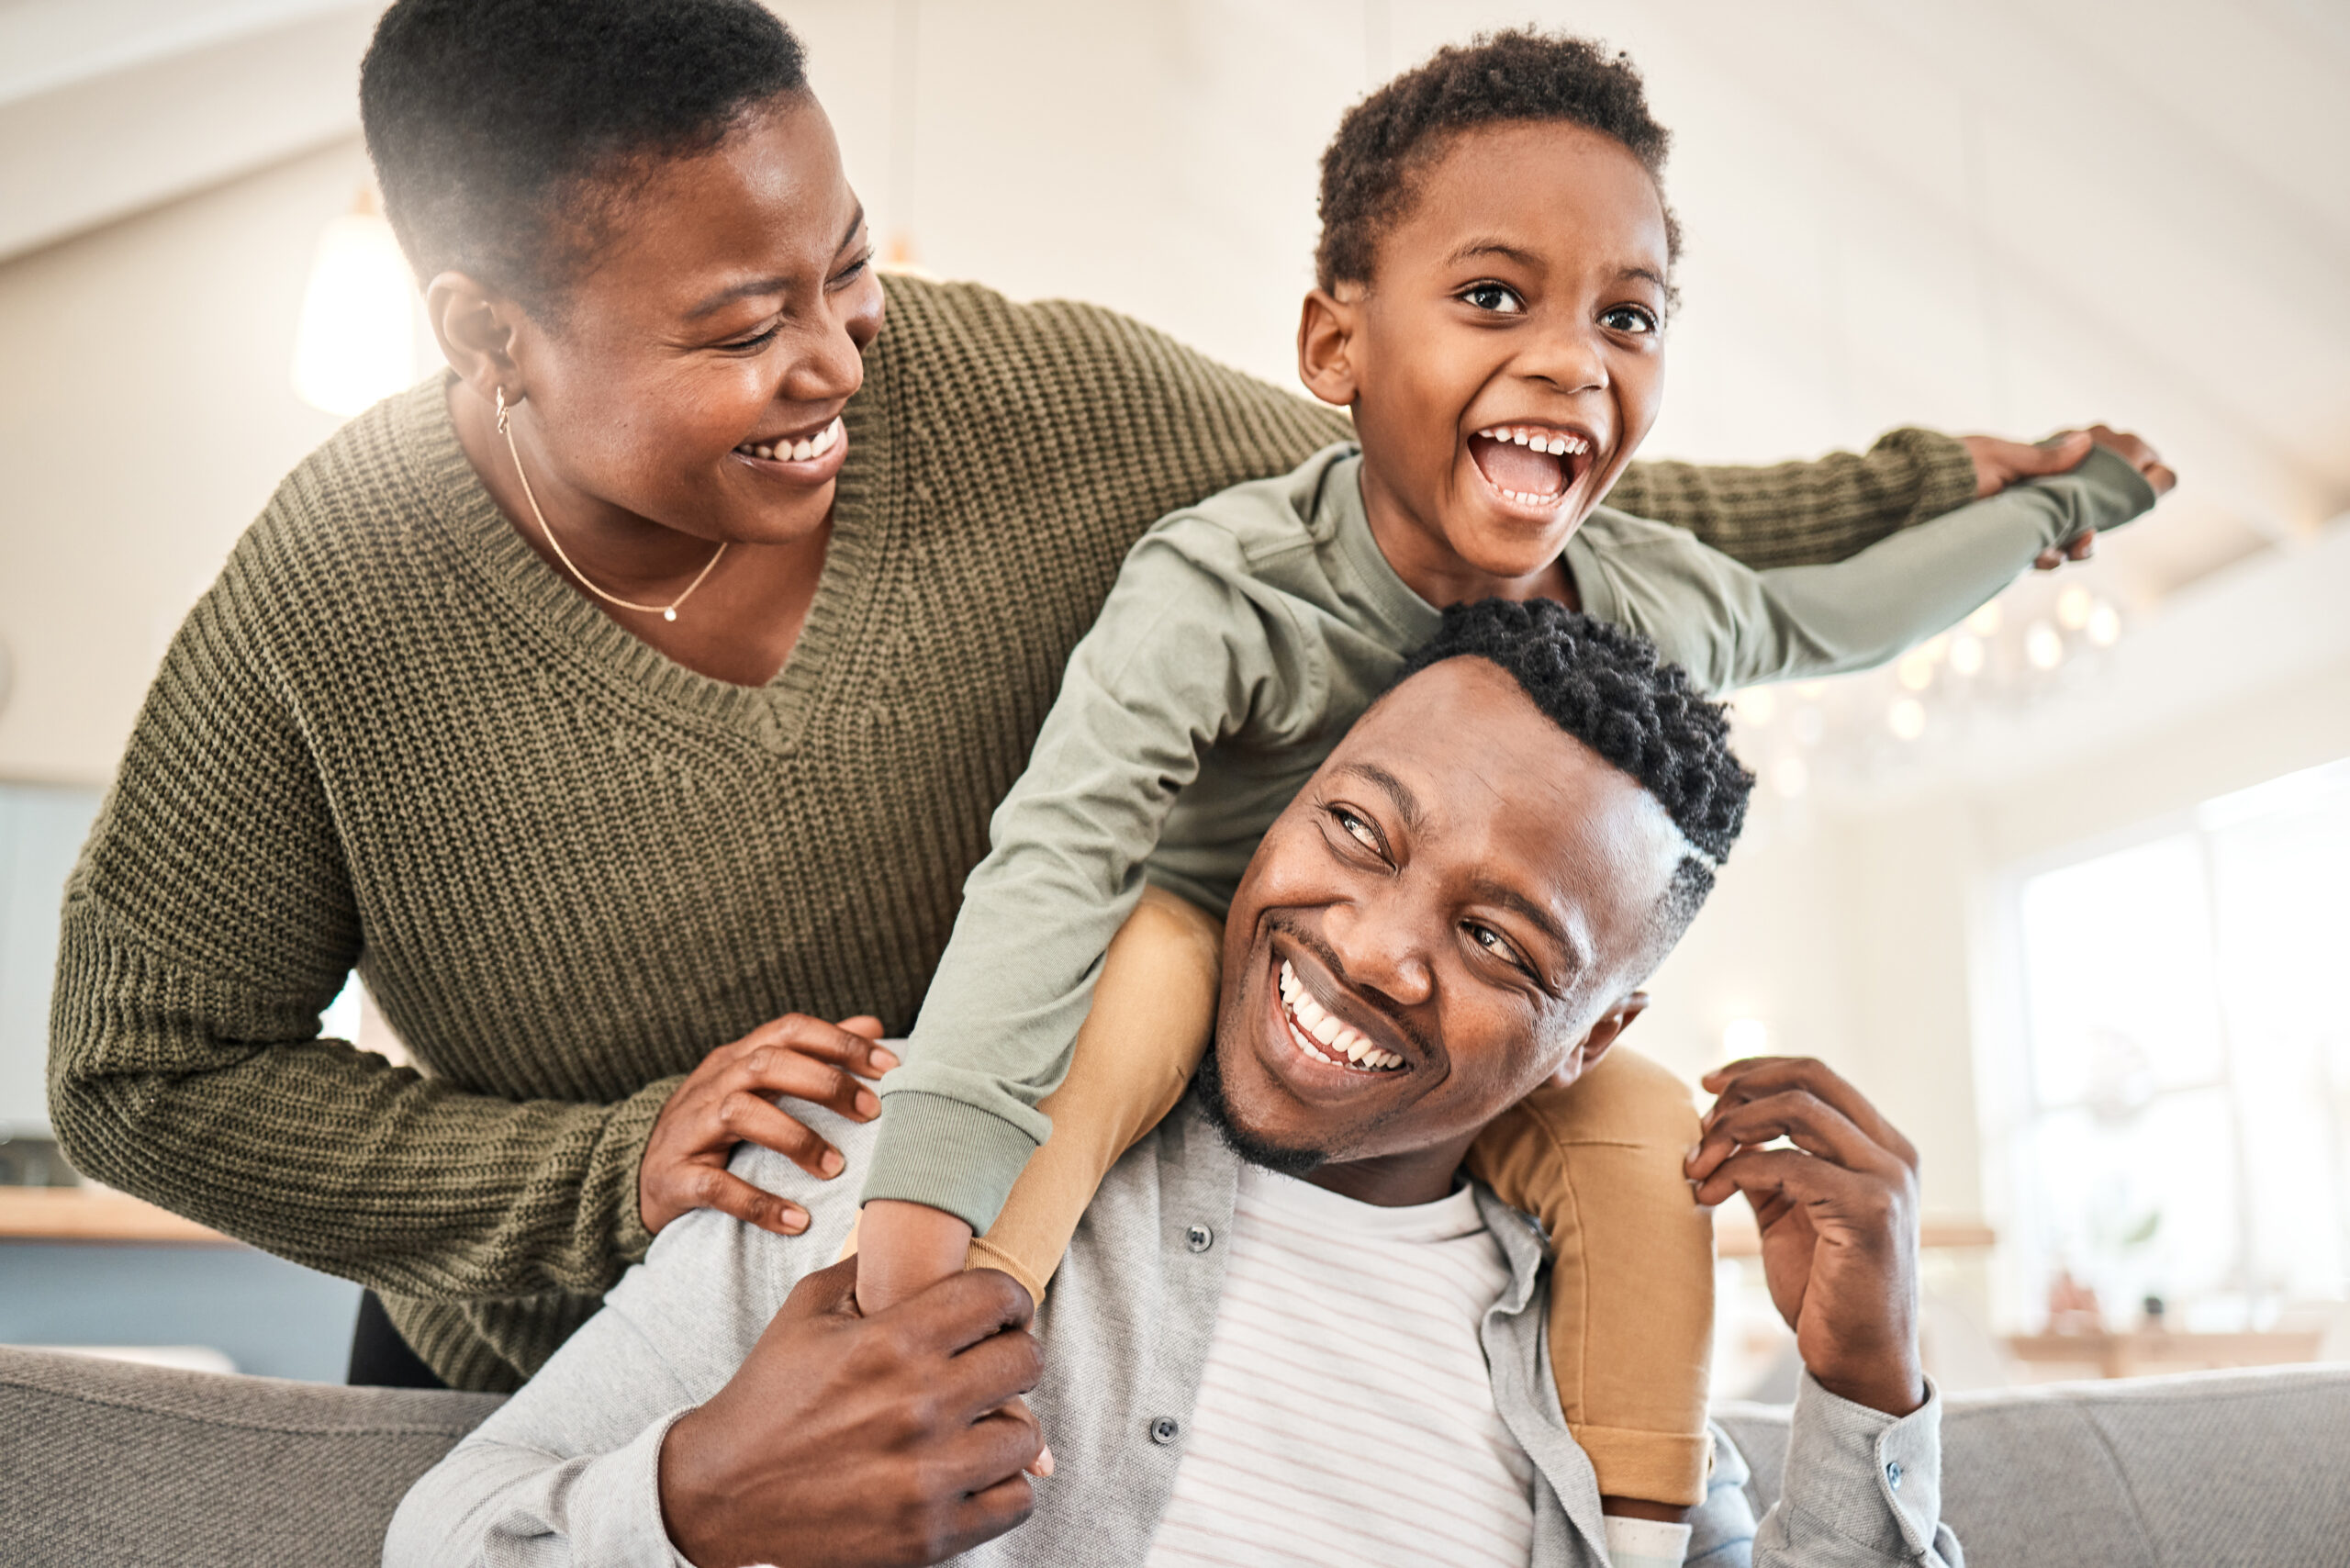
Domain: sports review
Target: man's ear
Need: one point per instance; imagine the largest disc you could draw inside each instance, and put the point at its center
(477, 329)
(1326, 343)
(1612, 1022)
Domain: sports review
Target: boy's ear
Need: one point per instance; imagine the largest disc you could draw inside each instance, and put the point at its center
(1326, 345)
(1612, 1024)
(476, 329)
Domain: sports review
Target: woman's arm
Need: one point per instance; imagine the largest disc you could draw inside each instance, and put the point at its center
(209, 920)
(1794, 514)
(1163, 427)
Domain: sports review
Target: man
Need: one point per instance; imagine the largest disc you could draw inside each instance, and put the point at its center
(1285, 1331)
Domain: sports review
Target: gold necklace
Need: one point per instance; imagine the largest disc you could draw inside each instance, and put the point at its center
(666, 611)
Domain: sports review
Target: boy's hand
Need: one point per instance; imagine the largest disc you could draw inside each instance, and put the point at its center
(727, 1101)
(903, 1250)
(1999, 462)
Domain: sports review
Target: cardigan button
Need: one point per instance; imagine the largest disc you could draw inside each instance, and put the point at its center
(1893, 1473)
(1166, 1430)
(1198, 1237)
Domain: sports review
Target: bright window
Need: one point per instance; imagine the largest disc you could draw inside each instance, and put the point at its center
(2179, 1109)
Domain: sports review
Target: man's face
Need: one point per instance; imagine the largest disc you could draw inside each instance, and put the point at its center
(1433, 927)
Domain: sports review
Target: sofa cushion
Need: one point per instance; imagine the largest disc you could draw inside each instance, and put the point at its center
(102, 1462)
(2207, 1469)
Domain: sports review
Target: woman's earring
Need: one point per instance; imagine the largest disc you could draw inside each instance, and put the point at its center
(501, 410)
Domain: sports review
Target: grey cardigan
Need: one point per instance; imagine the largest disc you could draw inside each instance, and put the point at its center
(566, 1472)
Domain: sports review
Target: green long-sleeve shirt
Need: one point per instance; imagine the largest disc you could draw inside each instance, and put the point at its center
(391, 735)
(1243, 636)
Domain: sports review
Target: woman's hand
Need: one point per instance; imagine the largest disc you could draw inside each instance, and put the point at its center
(727, 1100)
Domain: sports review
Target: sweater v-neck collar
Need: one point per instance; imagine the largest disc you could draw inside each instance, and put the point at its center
(539, 597)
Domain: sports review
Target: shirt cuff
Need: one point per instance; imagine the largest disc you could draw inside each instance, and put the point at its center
(1871, 1477)
(952, 1157)
(1645, 1543)
(612, 1506)
(1945, 469)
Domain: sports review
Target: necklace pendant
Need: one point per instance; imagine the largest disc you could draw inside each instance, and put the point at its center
(669, 614)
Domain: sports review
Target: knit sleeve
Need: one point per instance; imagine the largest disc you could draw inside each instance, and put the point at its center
(209, 920)
(1795, 514)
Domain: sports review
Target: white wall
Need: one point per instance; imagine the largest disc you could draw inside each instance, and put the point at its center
(145, 417)
(1858, 931)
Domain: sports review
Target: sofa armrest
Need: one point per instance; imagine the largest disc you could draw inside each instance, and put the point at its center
(111, 1462)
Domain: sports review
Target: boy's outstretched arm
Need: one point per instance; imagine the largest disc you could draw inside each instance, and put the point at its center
(1732, 627)
(1188, 651)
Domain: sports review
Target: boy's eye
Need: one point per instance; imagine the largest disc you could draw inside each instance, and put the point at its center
(1497, 297)
(1637, 318)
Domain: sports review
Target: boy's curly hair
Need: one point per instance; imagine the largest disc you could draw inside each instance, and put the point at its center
(1388, 139)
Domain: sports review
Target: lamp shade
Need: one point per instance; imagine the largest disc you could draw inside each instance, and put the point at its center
(356, 343)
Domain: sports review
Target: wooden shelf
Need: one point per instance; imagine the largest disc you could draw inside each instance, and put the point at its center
(87, 1214)
(2157, 1350)
(1736, 1237)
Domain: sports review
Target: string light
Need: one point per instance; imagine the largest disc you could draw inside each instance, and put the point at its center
(1908, 718)
(2072, 608)
(1744, 1037)
(1966, 654)
(1756, 705)
(2043, 646)
(1916, 670)
(2105, 625)
(1985, 621)
(1789, 776)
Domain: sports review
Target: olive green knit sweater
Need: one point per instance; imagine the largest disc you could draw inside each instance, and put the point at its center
(391, 737)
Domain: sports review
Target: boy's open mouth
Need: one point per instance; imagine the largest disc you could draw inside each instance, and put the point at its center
(1532, 466)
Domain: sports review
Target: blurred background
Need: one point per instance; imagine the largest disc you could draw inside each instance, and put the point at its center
(2064, 890)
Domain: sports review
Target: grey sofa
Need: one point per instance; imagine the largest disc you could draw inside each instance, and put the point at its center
(122, 1465)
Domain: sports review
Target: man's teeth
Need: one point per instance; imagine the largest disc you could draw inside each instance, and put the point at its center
(795, 451)
(1556, 443)
(1313, 1029)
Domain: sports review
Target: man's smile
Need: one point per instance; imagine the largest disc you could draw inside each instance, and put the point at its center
(1319, 1040)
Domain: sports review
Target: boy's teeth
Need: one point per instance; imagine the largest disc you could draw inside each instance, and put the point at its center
(1556, 443)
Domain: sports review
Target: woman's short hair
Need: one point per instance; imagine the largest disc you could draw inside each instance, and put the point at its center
(507, 133)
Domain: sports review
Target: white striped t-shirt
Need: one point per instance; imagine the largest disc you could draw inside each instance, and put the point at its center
(1346, 1415)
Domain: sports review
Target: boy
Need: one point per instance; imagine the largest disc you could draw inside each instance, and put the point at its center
(1494, 280)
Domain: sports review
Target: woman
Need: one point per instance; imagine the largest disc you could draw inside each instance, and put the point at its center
(633, 697)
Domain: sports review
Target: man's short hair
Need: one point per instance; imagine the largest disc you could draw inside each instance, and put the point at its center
(1385, 141)
(1609, 688)
(496, 126)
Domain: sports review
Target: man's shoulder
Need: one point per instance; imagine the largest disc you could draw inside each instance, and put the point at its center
(709, 1285)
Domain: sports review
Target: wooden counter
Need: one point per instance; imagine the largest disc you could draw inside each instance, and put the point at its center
(2145, 1350)
(1735, 1234)
(93, 1214)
